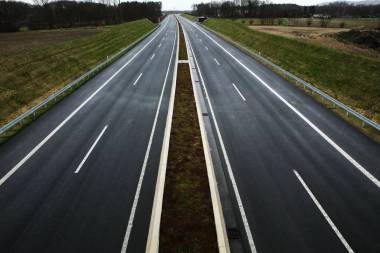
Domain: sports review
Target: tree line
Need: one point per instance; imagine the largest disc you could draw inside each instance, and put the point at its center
(65, 14)
(261, 9)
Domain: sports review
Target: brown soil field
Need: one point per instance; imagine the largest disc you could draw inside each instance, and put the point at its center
(317, 35)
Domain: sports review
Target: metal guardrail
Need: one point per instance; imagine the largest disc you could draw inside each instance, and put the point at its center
(69, 87)
(335, 102)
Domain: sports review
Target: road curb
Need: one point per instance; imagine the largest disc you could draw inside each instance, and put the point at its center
(220, 226)
(152, 244)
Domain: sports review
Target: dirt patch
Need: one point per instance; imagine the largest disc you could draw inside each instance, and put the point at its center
(363, 38)
(320, 36)
(11, 43)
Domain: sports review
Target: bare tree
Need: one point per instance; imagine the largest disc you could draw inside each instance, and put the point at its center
(40, 2)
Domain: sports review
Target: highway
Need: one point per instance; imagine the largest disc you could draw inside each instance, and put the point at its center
(81, 178)
(300, 179)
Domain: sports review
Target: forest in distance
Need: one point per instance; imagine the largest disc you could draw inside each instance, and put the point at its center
(66, 14)
(263, 9)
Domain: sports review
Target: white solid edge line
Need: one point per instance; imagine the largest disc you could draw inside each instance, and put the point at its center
(152, 243)
(227, 160)
(138, 78)
(216, 61)
(90, 150)
(220, 226)
(325, 215)
(52, 133)
(238, 91)
(137, 195)
(304, 118)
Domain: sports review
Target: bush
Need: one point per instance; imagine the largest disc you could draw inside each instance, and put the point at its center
(251, 22)
(342, 24)
(309, 22)
(283, 21)
(325, 22)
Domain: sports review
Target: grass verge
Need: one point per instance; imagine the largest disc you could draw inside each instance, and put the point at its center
(187, 221)
(188, 16)
(352, 79)
(33, 94)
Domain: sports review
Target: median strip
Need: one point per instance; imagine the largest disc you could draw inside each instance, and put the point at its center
(187, 221)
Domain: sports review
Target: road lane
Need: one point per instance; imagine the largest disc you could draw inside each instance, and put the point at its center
(265, 141)
(45, 207)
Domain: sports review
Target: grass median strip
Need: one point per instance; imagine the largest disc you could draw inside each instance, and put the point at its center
(187, 221)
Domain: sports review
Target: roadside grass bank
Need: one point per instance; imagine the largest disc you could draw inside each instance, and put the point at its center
(187, 221)
(30, 76)
(188, 16)
(350, 78)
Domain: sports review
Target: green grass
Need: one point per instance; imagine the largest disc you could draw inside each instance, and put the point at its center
(191, 17)
(332, 23)
(28, 76)
(182, 54)
(351, 78)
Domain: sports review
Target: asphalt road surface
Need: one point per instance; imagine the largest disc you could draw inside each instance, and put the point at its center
(301, 178)
(81, 178)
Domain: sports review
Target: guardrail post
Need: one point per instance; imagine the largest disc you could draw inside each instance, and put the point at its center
(363, 124)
